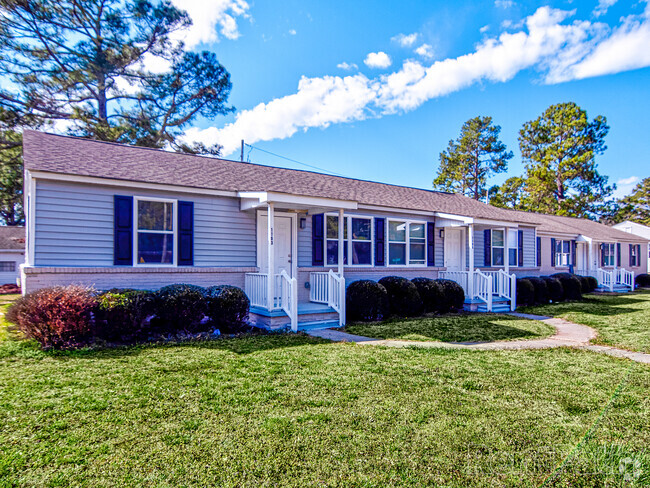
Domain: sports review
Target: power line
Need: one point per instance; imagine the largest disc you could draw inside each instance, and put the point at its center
(293, 160)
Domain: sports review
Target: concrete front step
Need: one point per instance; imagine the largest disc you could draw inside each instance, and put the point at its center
(617, 289)
(308, 313)
(319, 325)
(499, 304)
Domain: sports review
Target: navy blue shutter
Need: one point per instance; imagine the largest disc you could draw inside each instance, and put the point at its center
(630, 255)
(618, 254)
(185, 234)
(431, 244)
(574, 251)
(553, 252)
(317, 241)
(520, 248)
(380, 241)
(539, 251)
(602, 254)
(487, 247)
(123, 230)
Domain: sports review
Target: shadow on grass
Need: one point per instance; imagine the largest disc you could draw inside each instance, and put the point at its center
(599, 305)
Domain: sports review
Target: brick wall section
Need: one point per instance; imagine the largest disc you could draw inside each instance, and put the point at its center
(152, 278)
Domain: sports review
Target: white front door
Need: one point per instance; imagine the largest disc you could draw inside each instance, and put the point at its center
(454, 249)
(281, 244)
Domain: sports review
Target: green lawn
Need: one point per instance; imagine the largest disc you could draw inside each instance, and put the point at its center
(621, 320)
(477, 327)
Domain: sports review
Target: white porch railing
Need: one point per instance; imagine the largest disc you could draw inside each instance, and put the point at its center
(318, 287)
(256, 288)
(483, 288)
(289, 298)
(625, 278)
(336, 294)
(606, 279)
(460, 277)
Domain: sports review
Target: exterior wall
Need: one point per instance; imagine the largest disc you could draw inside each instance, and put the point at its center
(103, 278)
(74, 226)
(18, 257)
(529, 267)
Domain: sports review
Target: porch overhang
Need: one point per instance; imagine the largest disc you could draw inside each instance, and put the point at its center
(254, 200)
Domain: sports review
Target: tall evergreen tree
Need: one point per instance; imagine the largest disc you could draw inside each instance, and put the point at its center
(85, 62)
(559, 149)
(634, 207)
(467, 163)
(510, 194)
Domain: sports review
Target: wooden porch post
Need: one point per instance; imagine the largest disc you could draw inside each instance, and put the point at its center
(271, 275)
(470, 278)
(506, 258)
(615, 254)
(341, 243)
(590, 252)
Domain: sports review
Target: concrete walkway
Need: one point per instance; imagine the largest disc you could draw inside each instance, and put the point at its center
(567, 334)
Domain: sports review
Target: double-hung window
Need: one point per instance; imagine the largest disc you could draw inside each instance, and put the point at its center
(357, 240)
(407, 243)
(562, 253)
(498, 247)
(155, 236)
(609, 254)
(7, 266)
(635, 255)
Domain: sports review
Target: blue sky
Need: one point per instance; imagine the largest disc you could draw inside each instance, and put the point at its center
(376, 89)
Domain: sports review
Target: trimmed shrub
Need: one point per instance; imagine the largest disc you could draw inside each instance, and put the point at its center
(571, 286)
(585, 287)
(366, 300)
(228, 307)
(122, 314)
(525, 292)
(453, 293)
(541, 291)
(59, 317)
(431, 293)
(403, 297)
(180, 307)
(554, 288)
(593, 283)
(642, 279)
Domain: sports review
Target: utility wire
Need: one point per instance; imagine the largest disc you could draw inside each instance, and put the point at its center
(293, 160)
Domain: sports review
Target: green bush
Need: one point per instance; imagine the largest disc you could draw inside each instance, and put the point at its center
(585, 287)
(403, 297)
(180, 307)
(58, 317)
(593, 283)
(642, 280)
(541, 291)
(366, 300)
(228, 307)
(431, 293)
(122, 314)
(454, 296)
(571, 286)
(554, 288)
(525, 292)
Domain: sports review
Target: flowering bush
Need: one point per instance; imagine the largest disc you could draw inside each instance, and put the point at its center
(59, 317)
(122, 314)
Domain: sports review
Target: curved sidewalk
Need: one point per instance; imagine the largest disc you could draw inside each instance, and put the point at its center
(567, 334)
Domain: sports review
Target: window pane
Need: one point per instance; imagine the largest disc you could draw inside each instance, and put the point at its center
(512, 253)
(155, 248)
(397, 253)
(155, 215)
(361, 253)
(565, 246)
(333, 253)
(513, 239)
(497, 256)
(417, 231)
(558, 246)
(397, 231)
(497, 238)
(361, 229)
(417, 253)
(333, 227)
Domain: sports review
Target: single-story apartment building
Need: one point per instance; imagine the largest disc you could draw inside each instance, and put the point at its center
(12, 253)
(111, 215)
(638, 230)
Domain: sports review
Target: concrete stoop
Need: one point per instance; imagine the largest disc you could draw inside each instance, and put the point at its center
(311, 316)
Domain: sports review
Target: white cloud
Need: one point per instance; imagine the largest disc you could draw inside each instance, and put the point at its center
(425, 50)
(211, 18)
(292, 32)
(603, 6)
(504, 3)
(405, 40)
(347, 66)
(547, 43)
(625, 186)
(377, 60)
(484, 29)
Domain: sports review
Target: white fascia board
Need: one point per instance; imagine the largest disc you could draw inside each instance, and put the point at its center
(461, 218)
(561, 235)
(306, 201)
(583, 238)
(379, 208)
(499, 223)
(139, 185)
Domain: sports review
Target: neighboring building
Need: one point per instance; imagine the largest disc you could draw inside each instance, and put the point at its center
(637, 230)
(12, 253)
(118, 216)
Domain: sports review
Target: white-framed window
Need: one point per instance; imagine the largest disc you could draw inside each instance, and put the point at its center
(609, 254)
(7, 266)
(562, 253)
(513, 248)
(635, 255)
(498, 244)
(358, 238)
(407, 243)
(155, 231)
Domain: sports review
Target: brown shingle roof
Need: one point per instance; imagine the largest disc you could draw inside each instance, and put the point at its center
(12, 237)
(75, 156)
